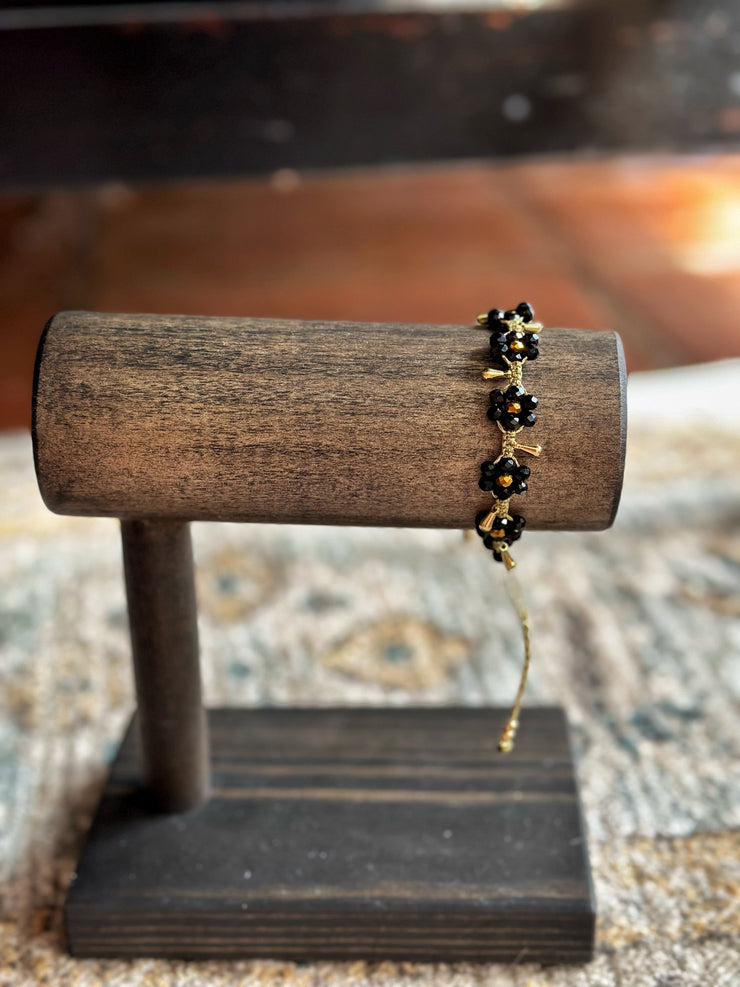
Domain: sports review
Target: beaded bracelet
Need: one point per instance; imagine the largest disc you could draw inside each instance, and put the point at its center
(514, 341)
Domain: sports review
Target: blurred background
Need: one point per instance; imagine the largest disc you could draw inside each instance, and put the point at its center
(404, 161)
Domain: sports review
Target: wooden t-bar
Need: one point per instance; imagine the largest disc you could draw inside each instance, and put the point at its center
(268, 420)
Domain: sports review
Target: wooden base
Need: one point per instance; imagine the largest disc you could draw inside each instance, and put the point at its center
(347, 834)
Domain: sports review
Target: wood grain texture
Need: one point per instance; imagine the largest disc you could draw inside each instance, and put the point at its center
(265, 420)
(347, 833)
(160, 590)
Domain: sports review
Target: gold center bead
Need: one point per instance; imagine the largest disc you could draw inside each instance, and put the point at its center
(498, 534)
(517, 346)
(505, 480)
(513, 407)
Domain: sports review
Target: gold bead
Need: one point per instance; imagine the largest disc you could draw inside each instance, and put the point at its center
(505, 481)
(499, 533)
(506, 741)
(487, 522)
(513, 407)
(506, 558)
(532, 450)
(517, 346)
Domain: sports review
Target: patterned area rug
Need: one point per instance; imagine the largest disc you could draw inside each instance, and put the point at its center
(637, 634)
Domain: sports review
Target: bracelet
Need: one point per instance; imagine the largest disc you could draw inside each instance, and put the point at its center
(514, 340)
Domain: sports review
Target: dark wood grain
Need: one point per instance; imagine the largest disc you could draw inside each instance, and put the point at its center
(155, 416)
(347, 833)
(160, 590)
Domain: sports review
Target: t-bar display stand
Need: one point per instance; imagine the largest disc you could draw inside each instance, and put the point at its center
(316, 833)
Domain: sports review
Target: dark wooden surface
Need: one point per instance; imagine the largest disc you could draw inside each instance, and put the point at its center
(314, 422)
(93, 91)
(347, 833)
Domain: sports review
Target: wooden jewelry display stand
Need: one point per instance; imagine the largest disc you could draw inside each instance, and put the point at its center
(316, 833)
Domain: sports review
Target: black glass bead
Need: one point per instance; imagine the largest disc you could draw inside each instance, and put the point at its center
(486, 483)
(519, 486)
(510, 314)
(529, 420)
(495, 315)
(488, 467)
(501, 524)
(524, 471)
(525, 311)
(532, 401)
(508, 464)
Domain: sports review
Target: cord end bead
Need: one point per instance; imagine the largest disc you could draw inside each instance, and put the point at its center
(490, 373)
(482, 319)
(506, 740)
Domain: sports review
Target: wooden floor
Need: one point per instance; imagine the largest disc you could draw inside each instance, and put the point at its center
(648, 246)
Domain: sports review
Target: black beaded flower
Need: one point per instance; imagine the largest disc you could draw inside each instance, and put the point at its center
(513, 408)
(512, 346)
(504, 477)
(497, 318)
(505, 529)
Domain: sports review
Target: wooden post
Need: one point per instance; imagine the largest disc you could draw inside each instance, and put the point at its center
(158, 565)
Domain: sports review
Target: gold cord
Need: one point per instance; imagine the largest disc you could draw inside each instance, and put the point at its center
(508, 734)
